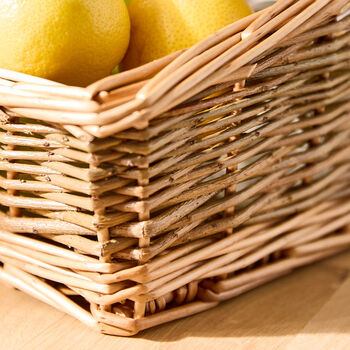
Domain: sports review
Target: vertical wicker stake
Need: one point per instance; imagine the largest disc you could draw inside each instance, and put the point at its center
(102, 237)
(232, 189)
(316, 140)
(11, 175)
(140, 307)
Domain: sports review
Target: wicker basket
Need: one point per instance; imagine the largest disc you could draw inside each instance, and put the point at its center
(161, 191)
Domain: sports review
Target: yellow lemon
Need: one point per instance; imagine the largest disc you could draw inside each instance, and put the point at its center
(70, 41)
(159, 27)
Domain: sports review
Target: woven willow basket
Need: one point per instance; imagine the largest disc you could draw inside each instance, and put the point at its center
(161, 191)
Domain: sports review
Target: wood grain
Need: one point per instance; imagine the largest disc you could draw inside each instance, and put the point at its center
(309, 309)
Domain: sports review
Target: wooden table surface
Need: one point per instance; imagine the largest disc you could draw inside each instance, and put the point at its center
(309, 310)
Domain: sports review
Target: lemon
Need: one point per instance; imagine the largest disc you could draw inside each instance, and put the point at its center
(159, 27)
(70, 41)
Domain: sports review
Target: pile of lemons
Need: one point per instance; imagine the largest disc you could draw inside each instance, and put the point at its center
(77, 42)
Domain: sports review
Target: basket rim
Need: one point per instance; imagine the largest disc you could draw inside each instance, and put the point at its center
(170, 80)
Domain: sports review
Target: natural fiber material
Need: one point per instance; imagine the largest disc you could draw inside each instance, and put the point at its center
(161, 191)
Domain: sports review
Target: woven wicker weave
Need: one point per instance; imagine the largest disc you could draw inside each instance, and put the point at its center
(155, 196)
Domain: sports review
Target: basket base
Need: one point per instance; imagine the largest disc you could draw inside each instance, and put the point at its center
(209, 294)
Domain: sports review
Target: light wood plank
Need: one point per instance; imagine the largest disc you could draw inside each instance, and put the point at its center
(331, 325)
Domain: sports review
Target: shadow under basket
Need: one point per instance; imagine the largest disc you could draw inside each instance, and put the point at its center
(156, 193)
